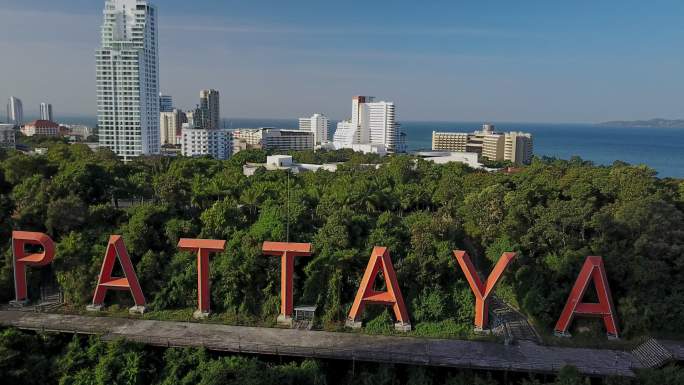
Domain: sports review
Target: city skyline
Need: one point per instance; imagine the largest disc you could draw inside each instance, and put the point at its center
(504, 62)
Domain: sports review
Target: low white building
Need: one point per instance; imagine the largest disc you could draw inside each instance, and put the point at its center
(367, 148)
(79, 130)
(346, 134)
(93, 146)
(279, 160)
(7, 136)
(200, 142)
(469, 158)
(285, 162)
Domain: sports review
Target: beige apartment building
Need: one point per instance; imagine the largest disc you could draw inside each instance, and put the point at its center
(451, 141)
(272, 139)
(519, 148)
(516, 147)
(170, 124)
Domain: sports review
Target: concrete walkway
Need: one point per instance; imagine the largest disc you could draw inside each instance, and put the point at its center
(524, 357)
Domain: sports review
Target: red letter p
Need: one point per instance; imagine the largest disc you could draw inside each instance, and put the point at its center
(21, 259)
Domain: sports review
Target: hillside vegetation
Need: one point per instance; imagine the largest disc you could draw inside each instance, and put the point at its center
(28, 359)
(554, 214)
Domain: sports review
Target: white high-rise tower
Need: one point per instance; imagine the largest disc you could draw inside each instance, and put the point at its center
(382, 126)
(128, 79)
(15, 111)
(46, 111)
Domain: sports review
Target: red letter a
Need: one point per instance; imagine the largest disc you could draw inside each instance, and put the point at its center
(379, 261)
(203, 248)
(482, 290)
(19, 240)
(117, 250)
(593, 270)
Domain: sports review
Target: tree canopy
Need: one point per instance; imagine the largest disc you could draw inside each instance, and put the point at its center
(554, 213)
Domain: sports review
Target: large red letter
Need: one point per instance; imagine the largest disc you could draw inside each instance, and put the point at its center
(482, 290)
(116, 249)
(19, 240)
(593, 270)
(203, 248)
(379, 261)
(287, 253)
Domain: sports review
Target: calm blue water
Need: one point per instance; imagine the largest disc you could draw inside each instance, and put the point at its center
(660, 149)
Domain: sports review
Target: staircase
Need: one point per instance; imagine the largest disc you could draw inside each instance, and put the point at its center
(302, 325)
(510, 323)
(50, 300)
(652, 354)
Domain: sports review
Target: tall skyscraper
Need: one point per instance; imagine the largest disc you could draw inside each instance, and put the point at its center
(358, 120)
(128, 79)
(15, 111)
(318, 124)
(209, 109)
(382, 125)
(46, 112)
(165, 103)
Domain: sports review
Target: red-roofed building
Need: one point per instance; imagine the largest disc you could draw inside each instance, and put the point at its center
(41, 128)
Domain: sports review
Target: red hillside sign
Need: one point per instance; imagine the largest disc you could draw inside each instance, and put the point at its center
(379, 263)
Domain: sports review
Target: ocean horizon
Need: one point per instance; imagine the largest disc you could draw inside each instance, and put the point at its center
(661, 149)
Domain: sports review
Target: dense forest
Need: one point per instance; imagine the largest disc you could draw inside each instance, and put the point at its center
(28, 359)
(554, 213)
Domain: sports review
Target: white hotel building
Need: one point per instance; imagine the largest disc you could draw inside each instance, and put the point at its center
(372, 128)
(319, 125)
(128, 79)
(201, 142)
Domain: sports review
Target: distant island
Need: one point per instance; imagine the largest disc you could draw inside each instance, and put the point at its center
(653, 123)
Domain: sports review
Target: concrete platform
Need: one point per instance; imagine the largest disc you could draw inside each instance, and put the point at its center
(524, 357)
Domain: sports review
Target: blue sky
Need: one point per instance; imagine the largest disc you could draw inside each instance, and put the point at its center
(529, 61)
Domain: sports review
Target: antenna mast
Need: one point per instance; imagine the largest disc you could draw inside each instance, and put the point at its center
(288, 206)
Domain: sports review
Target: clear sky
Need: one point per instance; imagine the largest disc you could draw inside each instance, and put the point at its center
(476, 60)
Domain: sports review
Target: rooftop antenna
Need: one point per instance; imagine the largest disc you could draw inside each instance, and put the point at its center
(288, 206)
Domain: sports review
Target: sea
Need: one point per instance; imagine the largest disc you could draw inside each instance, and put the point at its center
(661, 149)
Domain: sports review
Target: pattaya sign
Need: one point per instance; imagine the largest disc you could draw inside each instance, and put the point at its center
(380, 262)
